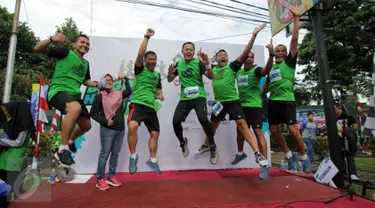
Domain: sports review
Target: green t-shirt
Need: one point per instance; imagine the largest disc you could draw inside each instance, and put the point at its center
(248, 82)
(190, 77)
(224, 82)
(70, 72)
(145, 88)
(281, 79)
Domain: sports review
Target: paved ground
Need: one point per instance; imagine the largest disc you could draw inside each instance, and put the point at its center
(363, 175)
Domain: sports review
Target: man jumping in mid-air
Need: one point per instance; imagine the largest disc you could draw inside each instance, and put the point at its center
(146, 90)
(248, 81)
(193, 95)
(282, 105)
(71, 71)
(227, 100)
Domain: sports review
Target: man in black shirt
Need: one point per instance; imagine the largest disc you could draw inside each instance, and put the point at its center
(344, 119)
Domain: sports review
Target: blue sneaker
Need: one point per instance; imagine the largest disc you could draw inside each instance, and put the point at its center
(238, 158)
(133, 165)
(292, 162)
(265, 173)
(306, 164)
(153, 166)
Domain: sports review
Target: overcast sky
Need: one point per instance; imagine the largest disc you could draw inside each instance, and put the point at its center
(119, 19)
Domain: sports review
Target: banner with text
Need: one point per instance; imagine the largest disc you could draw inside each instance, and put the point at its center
(117, 56)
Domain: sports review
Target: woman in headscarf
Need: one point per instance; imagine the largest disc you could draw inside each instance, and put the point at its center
(16, 127)
(16, 123)
(108, 110)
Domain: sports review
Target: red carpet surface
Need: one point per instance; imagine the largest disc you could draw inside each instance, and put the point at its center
(232, 188)
(193, 175)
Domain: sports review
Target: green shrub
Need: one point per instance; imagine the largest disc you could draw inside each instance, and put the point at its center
(321, 147)
(45, 147)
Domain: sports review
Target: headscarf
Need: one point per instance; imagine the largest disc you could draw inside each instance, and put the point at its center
(20, 118)
(111, 100)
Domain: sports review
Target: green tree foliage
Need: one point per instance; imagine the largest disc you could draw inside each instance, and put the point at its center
(70, 29)
(28, 65)
(349, 32)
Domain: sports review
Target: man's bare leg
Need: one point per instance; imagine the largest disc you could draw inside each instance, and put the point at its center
(250, 138)
(153, 145)
(73, 110)
(132, 142)
(84, 125)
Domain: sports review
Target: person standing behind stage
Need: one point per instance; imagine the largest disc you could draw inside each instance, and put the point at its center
(108, 110)
(71, 71)
(309, 130)
(282, 105)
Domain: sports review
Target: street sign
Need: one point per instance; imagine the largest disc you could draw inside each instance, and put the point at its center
(280, 14)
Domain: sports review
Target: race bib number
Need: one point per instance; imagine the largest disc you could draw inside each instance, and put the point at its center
(242, 80)
(216, 109)
(191, 91)
(275, 75)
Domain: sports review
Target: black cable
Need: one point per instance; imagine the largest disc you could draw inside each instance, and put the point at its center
(250, 5)
(228, 6)
(287, 205)
(191, 10)
(189, 5)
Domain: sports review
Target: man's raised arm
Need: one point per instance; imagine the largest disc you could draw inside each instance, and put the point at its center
(269, 63)
(242, 58)
(296, 11)
(142, 49)
(42, 47)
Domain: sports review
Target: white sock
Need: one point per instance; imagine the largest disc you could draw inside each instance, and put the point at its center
(134, 156)
(304, 157)
(63, 147)
(71, 142)
(153, 160)
(240, 153)
(288, 155)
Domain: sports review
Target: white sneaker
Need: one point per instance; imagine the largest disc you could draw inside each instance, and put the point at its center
(354, 177)
(261, 160)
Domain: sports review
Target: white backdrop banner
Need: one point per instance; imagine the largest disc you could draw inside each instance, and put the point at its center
(117, 55)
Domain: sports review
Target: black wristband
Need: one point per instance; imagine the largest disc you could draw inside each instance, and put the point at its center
(147, 37)
(272, 55)
(50, 39)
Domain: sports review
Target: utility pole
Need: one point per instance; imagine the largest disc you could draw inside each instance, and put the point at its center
(11, 54)
(91, 17)
(334, 143)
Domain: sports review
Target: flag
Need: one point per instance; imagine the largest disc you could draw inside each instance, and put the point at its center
(42, 106)
(41, 118)
(56, 117)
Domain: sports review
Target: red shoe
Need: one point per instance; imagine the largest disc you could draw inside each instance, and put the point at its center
(102, 185)
(113, 182)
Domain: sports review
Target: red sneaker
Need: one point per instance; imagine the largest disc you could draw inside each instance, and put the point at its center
(113, 182)
(102, 185)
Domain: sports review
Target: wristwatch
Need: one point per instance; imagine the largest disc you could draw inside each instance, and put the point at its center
(50, 39)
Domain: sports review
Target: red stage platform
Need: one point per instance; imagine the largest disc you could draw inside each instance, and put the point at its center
(222, 188)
